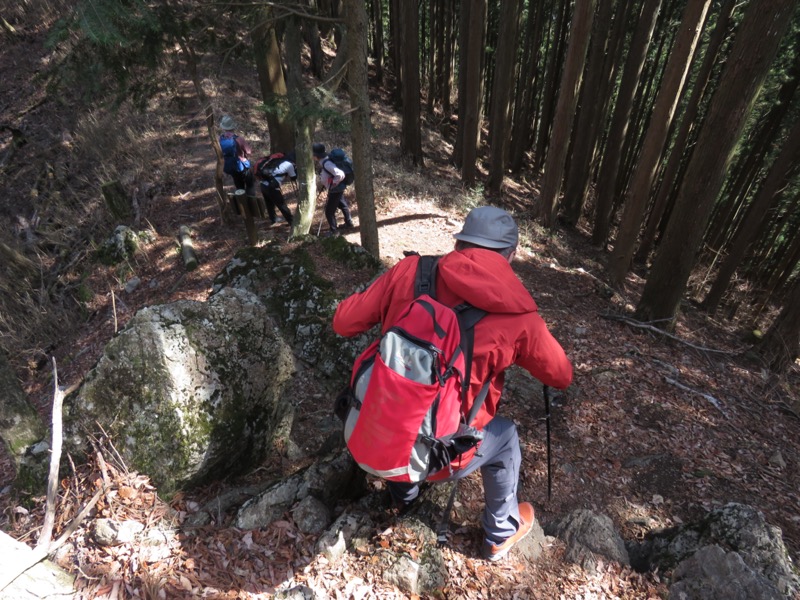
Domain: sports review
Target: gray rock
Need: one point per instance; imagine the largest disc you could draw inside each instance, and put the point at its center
(734, 527)
(350, 526)
(189, 391)
(311, 515)
(589, 538)
(44, 580)
(713, 574)
(328, 480)
(108, 532)
(298, 592)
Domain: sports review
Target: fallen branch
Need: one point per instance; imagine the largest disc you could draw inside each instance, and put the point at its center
(647, 326)
(187, 249)
(45, 536)
(709, 397)
(40, 553)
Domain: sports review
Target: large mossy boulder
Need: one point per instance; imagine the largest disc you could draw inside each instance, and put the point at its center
(303, 301)
(189, 391)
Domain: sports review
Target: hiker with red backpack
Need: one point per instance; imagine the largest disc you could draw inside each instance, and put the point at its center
(507, 330)
(274, 170)
(335, 180)
(236, 156)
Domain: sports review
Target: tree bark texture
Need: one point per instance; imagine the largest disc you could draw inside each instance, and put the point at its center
(609, 168)
(411, 137)
(360, 131)
(470, 104)
(656, 138)
(754, 49)
(565, 110)
(503, 86)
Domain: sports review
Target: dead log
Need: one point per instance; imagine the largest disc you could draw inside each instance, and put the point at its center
(187, 249)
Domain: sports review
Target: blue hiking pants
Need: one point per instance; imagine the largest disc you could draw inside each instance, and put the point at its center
(499, 459)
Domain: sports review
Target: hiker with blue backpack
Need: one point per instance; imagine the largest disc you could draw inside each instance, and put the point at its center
(236, 156)
(335, 174)
(393, 406)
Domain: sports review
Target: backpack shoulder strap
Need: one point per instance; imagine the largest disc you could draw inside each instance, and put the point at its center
(468, 317)
(425, 279)
(327, 170)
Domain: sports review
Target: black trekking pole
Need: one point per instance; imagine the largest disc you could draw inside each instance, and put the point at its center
(546, 394)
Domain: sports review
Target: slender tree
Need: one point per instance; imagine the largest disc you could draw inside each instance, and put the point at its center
(754, 49)
(503, 85)
(787, 162)
(470, 103)
(411, 136)
(779, 346)
(591, 102)
(609, 168)
(656, 137)
(269, 67)
(679, 144)
(565, 110)
(360, 131)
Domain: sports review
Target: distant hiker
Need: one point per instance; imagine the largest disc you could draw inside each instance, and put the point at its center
(478, 272)
(333, 180)
(273, 171)
(236, 154)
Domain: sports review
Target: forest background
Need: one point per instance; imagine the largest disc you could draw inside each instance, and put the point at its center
(663, 132)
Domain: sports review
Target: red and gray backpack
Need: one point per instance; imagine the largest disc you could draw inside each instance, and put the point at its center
(405, 411)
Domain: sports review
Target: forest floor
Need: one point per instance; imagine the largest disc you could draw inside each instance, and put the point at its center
(656, 429)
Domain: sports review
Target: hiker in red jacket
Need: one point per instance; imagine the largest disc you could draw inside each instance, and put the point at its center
(512, 333)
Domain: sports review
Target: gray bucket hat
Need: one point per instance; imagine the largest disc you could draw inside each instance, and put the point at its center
(489, 227)
(227, 123)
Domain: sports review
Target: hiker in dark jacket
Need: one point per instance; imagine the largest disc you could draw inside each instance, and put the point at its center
(332, 178)
(271, 188)
(478, 272)
(236, 154)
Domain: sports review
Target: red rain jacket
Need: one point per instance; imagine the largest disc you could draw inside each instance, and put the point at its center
(512, 333)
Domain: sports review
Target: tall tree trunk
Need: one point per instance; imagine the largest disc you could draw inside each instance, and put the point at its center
(303, 131)
(609, 168)
(377, 38)
(499, 124)
(269, 67)
(656, 138)
(753, 51)
(470, 104)
(312, 37)
(747, 167)
(592, 93)
(411, 138)
(551, 79)
(774, 184)
(679, 148)
(360, 130)
(779, 346)
(463, 46)
(527, 81)
(565, 110)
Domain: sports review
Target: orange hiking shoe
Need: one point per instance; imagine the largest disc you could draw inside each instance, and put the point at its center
(495, 552)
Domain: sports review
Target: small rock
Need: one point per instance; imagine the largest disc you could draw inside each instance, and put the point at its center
(132, 284)
(776, 460)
